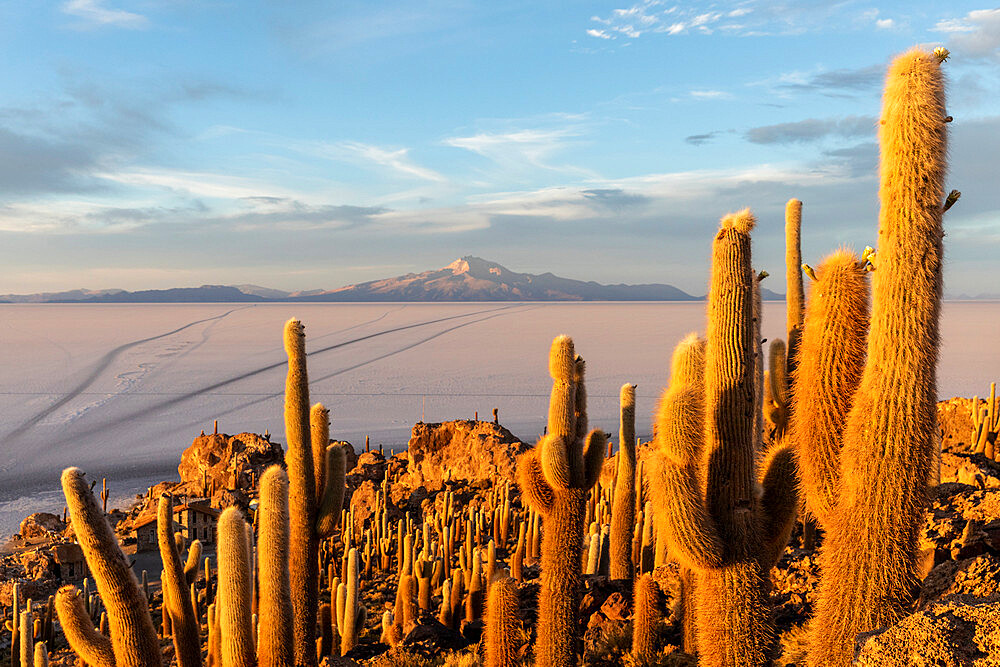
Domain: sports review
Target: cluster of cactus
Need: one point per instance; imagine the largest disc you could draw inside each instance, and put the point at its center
(847, 408)
(30, 632)
(986, 425)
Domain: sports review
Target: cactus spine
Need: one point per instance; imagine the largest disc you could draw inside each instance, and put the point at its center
(233, 599)
(714, 520)
(869, 567)
(274, 645)
(502, 631)
(178, 603)
(303, 561)
(623, 510)
(554, 477)
(133, 637)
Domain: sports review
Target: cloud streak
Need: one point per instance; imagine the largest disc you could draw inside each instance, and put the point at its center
(94, 14)
(812, 129)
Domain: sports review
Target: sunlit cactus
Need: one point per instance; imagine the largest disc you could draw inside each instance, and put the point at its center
(869, 566)
(554, 477)
(133, 637)
(623, 510)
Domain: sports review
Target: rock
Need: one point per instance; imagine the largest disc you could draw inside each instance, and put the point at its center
(977, 577)
(41, 525)
(370, 466)
(462, 449)
(961, 632)
(228, 461)
(38, 565)
(617, 607)
(955, 421)
(969, 469)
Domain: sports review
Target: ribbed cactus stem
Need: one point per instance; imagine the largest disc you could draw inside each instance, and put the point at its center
(795, 299)
(133, 636)
(319, 439)
(41, 655)
(502, 625)
(187, 642)
(328, 515)
(233, 599)
(831, 361)
(27, 643)
(623, 510)
(645, 618)
(274, 643)
(353, 614)
(303, 564)
(869, 566)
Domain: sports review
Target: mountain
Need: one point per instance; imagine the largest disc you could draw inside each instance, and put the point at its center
(466, 279)
(475, 279)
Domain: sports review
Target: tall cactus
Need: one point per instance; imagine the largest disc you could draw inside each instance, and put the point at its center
(233, 599)
(714, 520)
(869, 565)
(274, 646)
(623, 511)
(646, 614)
(133, 637)
(177, 603)
(795, 298)
(303, 561)
(554, 477)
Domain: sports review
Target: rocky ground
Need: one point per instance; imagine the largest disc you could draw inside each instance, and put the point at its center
(955, 620)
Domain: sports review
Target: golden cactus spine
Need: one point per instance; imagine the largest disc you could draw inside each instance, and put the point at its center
(303, 561)
(645, 618)
(274, 644)
(554, 477)
(889, 442)
(831, 360)
(233, 598)
(502, 625)
(187, 642)
(133, 637)
(623, 510)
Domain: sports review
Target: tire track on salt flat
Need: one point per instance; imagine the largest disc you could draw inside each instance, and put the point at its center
(181, 398)
(98, 368)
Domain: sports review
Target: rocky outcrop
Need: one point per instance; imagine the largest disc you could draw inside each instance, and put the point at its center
(958, 633)
(223, 461)
(955, 421)
(41, 525)
(462, 449)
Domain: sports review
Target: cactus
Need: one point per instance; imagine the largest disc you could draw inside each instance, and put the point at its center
(831, 360)
(554, 477)
(351, 621)
(178, 603)
(869, 567)
(333, 494)
(303, 552)
(232, 605)
(714, 520)
(645, 618)
(133, 637)
(623, 510)
(502, 630)
(27, 647)
(776, 403)
(795, 298)
(274, 645)
(41, 655)
(319, 438)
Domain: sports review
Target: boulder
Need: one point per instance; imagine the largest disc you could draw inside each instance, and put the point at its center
(959, 632)
(462, 449)
(41, 525)
(955, 421)
(228, 461)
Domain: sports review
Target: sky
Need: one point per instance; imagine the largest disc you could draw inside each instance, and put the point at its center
(309, 144)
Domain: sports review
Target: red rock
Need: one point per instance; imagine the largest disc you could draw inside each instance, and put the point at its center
(461, 449)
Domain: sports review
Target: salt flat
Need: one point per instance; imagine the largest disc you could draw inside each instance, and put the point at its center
(121, 390)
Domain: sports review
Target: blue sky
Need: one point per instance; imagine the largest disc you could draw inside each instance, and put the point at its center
(308, 144)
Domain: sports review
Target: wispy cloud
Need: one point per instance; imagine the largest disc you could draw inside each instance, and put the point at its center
(513, 150)
(94, 13)
(395, 159)
(812, 129)
(701, 139)
(976, 35)
(841, 83)
(710, 95)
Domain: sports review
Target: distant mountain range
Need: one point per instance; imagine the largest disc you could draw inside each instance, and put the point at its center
(465, 279)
